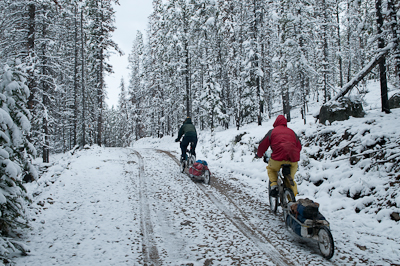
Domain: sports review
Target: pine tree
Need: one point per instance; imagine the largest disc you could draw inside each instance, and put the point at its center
(101, 25)
(211, 90)
(16, 154)
(157, 70)
(324, 11)
(137, 94)
(123, 121)
(234, 19)
(269, 43)
(227, 61)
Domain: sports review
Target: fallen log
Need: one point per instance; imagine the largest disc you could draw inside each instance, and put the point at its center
(365, 71)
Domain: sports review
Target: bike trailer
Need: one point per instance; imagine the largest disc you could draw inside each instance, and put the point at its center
(303, 216)
(198, 168)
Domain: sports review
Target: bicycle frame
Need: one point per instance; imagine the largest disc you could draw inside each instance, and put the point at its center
(285, 194)
(189, 149)
(190, 158)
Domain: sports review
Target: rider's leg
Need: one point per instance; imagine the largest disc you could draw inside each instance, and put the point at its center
(293, 170)
(184, 145)
(194, 146)
(272, 169)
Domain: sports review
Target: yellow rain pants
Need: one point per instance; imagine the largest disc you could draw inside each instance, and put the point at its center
(273, 168)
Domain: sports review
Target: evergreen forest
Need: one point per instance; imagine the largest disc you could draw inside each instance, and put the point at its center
(225, 63)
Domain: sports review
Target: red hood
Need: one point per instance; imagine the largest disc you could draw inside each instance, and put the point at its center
(280, 121)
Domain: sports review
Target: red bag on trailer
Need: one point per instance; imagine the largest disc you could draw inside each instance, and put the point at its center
(198, 168)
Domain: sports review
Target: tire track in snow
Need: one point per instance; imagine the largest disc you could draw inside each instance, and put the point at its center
(248, 230)
(240, 221)
(150, 251)
(295, 254)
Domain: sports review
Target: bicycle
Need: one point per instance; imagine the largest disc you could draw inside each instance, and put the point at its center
(285, 194)
(190, 158)
(317, 229)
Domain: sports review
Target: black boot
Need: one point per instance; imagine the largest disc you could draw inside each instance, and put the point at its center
(274, 191)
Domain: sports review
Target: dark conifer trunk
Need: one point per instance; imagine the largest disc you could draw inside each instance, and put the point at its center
(83, 85)
(75, 121)
(31, 49)
(45, 102)
(339, 47)
(187, 84)
(286, 102)
(100, 82)
(393, 7)
(382, 63)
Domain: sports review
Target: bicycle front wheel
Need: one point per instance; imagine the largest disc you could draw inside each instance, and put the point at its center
(183, 166)
(273, 201)
(191, 160)
(325, 242)
(288, 196)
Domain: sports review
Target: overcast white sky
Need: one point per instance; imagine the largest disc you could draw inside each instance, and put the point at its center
(130, 16)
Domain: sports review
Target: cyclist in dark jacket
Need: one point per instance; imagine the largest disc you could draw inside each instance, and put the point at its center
(286, 147)
(190, 135)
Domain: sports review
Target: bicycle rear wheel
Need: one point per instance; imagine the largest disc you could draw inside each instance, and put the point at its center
(325, 242)
(207, 177)
(273, 201)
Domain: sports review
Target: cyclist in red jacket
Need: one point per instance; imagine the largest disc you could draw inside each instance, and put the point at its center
(286, 147)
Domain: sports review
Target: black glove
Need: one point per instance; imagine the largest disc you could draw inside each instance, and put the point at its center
(176, 140)
(265, 158)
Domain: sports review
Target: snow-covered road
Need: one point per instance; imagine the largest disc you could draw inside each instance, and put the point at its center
(114, 206)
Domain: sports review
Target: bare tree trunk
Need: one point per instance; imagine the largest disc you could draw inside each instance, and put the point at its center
(348, 47)
(288, 107)
(188, 98)
(395, 28)
(100, 101)
(327, 95)
(339, 46)
(45, 88)
(256, 64)
(382, 62)
(75, 122)
(286, 99)
(186, 48)
(83, 84)
(100, 89)
(31, 51)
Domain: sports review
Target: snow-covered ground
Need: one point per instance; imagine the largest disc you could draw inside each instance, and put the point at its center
(115, 206)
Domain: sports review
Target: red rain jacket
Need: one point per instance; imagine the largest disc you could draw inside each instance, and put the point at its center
(284, 143)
